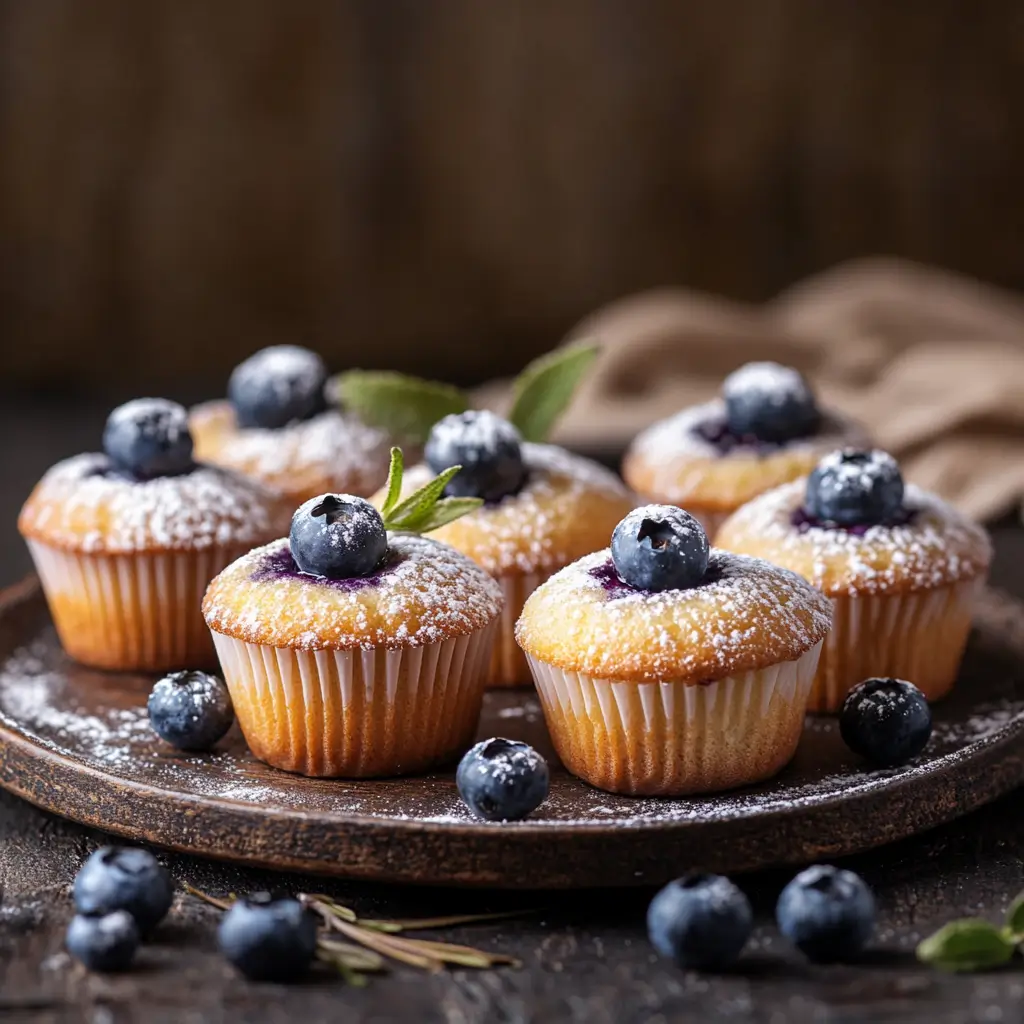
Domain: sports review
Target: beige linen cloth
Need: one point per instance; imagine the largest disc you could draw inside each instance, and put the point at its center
(931, 362)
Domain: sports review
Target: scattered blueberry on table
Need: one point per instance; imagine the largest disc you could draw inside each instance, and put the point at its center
(502, 780)
(827, 913)
(700, 921)
(660, 547)
(886, 721)
(149, 438)
(853, 487)
(337, 536)
(103, 943)
(124, 878)
(770, 402)
(278, 385)
(190, 710)
(488, 448)
(268, 938)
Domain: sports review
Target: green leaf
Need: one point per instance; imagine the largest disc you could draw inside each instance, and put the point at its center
(542, 392)
(1015, 918)
(968, 945)
(406, 407)
(419, 504)
(447, 510)
(394, 485)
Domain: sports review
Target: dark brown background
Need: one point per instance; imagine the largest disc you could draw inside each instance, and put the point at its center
(447, 186)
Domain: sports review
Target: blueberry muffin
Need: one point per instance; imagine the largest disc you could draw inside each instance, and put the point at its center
(902, 568)
(125, 542)
(764, 430)
(665, 667)
(542, 508)
(351, 651)
(277, 428)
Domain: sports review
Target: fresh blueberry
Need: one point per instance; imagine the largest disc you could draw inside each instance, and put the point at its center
(502, 780)
(278, 385)
(769, 402)
(887, 721)
(106, 943)
(124, 878)
(660, 547)
(268, 938)
(851, 487)
(338, 536)
(827, 913)
(148, 438)
(190, 710)
(701, 921)
(488, 448)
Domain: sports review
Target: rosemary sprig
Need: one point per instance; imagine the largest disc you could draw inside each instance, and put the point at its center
(366, 945)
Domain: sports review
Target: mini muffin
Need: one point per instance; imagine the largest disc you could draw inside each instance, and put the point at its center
(903, 570)
(276, 428)
(765, 430)
(664, 668)
(126, 542)
(350, 651)
(543, 508)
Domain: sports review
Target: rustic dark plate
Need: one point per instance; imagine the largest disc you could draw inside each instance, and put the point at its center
(77, 742)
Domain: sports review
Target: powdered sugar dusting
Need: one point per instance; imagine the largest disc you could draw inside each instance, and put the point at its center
(81, 505)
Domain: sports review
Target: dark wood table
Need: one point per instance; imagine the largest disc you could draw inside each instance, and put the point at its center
(585, 956)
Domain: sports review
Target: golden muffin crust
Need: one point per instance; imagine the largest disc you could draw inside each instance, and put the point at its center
(80, 506)
(938, 546)
(671, 463)
(330, 452)
(568, 508)
(747, 615)
(425, 593)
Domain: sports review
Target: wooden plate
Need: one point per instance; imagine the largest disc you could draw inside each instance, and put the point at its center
(77, 742)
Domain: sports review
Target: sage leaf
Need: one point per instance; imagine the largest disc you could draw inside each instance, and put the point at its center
(968, 945)
(394, 486)
(447, 510)
(405, 407)
(1015, 919)
(543, 391)
(418, 505)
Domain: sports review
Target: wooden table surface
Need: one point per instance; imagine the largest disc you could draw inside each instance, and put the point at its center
(585, 956)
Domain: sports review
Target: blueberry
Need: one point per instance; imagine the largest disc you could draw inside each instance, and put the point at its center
(106, 943)
(190, 710)
(851, 487)
(338, 536)
(502, 780)
(268, 938)
(660, 547)
(148, 438)
(278, 385)
(827, 913)
(488, 448)
(124, 878)
(770, 402)
(700, 921)
(887, 721)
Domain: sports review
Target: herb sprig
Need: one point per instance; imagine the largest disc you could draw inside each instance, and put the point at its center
(425, 509)
(974, 944)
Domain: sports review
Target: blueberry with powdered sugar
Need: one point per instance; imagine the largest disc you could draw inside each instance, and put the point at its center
(886, 721)
(190, 710)
(278, 385)
(855, 487)
(660, 547)
(149, 438)
(337, 536)
(770, 402)
(488, 448)
(106, 943)
(502, 780)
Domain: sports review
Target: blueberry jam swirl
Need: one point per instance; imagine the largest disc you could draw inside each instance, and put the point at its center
(279, 565)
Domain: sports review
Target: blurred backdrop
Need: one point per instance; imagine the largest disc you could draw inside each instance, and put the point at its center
(447, 186)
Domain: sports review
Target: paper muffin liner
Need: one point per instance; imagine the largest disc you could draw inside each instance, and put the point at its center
(673, 738)
(918, 636)
(508, 663)
(357, 713)
(138, 612)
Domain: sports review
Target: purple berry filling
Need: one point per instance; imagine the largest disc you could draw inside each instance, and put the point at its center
(716, 432)
(614, 586)
(804, 521)
(280, 565)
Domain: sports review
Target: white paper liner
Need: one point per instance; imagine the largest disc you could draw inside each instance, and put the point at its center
(919, 637)
(508, 663)
(357, 713)
(138, 611)
(673, 738)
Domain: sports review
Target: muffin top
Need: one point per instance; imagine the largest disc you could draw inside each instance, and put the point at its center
(930, 545)
(89, 505)
(565, 507)
(421, 593)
